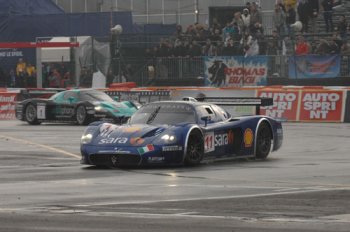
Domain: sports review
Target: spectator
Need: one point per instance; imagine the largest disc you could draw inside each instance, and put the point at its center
(255, 15)
(229, 49)
(304, 14)
(279, 20)
(273, 44)
(31, 75)
(314, 10)
(216, 37)
(12, 78)
(54, 79)
(253, 48)
(343, 28)
(216, 25)
(228, 31)
(237, 20)
(327, 6)
(21, 73)
(67, 80)
(179, 49)
(257, 30)
(291, 3)
(245, 20)
(290, 18)
(302, 47)
(194, 49)
(209, 49)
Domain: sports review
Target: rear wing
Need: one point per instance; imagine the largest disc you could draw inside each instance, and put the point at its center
(235, 101)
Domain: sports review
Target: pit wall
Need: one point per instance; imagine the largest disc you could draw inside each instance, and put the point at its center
(291, 103)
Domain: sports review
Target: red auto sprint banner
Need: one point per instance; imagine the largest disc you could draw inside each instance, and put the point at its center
(7, 105)
(322, 105)
(285, 103)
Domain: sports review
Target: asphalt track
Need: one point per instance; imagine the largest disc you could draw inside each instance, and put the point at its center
(303, 187)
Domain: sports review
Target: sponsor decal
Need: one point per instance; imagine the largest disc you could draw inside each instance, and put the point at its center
(172, 148)
(121, 151)
(212, 140)
(145, 149)
(314, 66)
(321, 105)
(248, 137)
(106, 129)
(137, 141)
(131, 129)
(41, 111)
(230, 137)
(7, 105)
(155, 159)
(221, 71)
(118, 140)
(285, 104)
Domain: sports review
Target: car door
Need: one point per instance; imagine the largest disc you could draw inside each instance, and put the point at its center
(65, 105)
(218, 136)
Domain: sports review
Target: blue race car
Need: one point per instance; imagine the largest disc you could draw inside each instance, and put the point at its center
(182, 132)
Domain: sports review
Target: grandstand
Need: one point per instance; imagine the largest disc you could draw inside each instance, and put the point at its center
(157, 44)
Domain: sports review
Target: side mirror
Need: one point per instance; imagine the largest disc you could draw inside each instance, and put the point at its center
(116, 98)
(205, 119)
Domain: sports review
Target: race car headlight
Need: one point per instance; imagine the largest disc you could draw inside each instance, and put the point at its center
(100, 109)
(168, 138)
(86, 138)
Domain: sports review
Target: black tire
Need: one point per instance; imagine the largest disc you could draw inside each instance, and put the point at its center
(264, 141)
(195, 149)
(81, 115)
(31, 115)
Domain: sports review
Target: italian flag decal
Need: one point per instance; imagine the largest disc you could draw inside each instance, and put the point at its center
(143, 150)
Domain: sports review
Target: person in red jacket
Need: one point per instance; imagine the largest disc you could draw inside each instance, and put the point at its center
(301, 47)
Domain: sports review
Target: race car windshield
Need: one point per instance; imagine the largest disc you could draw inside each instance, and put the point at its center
(96, 96)
(164, 114)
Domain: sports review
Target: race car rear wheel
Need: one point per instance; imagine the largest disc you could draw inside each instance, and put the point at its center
(264, 141)
(195, 149)
(81, 115)
(31, 115)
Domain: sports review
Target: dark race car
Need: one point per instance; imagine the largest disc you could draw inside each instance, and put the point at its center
(79, 105)
(181, 132)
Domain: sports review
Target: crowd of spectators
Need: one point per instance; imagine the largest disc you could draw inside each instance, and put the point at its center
(244, 34)
(57, 75)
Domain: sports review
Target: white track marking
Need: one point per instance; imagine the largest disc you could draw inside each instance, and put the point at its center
(23, 141)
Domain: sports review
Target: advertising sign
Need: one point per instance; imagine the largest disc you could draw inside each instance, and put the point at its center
(7, 105)
(322, 105)
(285, 104)
(314, 66)
(235, 71)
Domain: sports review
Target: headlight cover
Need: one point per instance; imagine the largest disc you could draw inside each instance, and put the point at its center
(167, 138)
(86, 138)
(100, 109)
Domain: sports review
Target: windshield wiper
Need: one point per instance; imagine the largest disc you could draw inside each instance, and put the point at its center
(153, 115)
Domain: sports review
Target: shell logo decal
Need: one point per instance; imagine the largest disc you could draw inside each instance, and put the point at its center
(248, 137)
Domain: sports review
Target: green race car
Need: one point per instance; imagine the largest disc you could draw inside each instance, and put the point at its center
(78, 105)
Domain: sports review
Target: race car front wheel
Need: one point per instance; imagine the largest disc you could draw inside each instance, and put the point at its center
(263, 142)
(195, 149)
(31, 115)
(81, 115)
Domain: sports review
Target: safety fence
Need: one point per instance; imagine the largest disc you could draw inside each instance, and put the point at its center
(291, 103)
